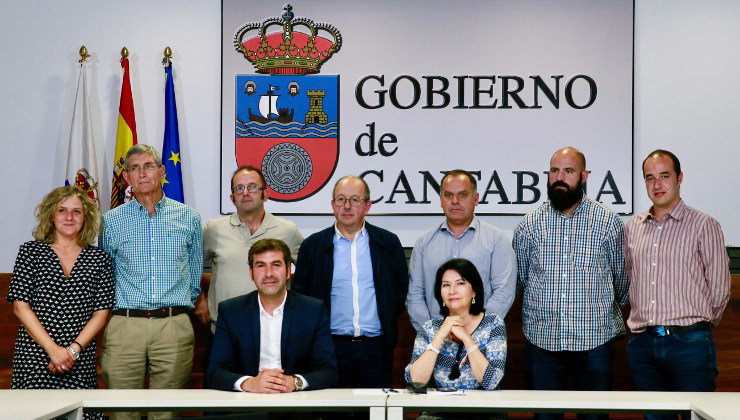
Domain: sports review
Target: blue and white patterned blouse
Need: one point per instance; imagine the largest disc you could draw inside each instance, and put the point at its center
(491, 339)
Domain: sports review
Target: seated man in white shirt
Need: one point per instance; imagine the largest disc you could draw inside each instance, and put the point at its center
(272, 340)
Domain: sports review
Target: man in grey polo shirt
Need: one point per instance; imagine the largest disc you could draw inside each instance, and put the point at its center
(461, 235)
(226, 242)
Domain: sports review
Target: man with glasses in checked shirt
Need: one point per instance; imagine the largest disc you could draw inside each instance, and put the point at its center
(156, 246)
(227, 240)
(572, 282)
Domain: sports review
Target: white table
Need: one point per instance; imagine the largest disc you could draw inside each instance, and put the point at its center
(715, 406)
(47, 404)
(37, 404)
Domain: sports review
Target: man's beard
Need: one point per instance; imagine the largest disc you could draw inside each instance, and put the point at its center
(564, 199)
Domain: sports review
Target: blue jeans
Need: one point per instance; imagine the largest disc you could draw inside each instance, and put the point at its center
(681, 362)
(591, 370)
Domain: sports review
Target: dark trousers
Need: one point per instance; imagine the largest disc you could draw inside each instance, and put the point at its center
(207, 357)
(362, 364)
(591, 370)
(685, 361)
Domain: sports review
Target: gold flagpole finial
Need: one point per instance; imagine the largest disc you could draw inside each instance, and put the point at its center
(124, 52)
(83, 54)
(167, 55)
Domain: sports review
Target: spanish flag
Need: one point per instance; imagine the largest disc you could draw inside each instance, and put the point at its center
(125, 138)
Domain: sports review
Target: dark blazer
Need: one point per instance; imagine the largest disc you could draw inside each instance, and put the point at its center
(315, 269)
(306, 347)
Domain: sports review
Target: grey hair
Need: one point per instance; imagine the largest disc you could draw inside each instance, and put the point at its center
(140, 149)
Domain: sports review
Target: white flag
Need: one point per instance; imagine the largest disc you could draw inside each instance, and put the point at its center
(82, 165)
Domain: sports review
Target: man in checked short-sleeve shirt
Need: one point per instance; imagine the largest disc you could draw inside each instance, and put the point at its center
(572, 282)
(157, 249)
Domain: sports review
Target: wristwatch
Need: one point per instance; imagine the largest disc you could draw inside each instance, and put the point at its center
(298, 383)
(432, 348)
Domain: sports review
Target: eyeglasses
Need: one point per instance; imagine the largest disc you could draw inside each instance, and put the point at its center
(355, 200)
(251, 188)
(149, 167)
(455, 371)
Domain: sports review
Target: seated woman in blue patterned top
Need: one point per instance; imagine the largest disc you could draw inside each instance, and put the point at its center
(464, 348)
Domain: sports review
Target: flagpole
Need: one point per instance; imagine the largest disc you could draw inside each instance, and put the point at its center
(83, 54)
(167, 56)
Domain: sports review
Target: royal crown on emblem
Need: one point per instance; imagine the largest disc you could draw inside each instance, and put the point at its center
(289, 51)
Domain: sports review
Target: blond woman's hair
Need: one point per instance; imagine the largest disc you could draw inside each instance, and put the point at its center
(45, 231)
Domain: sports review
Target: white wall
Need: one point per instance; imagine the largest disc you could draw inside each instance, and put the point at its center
(686, 63)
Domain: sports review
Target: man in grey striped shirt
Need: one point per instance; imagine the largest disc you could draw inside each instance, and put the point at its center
(680, 284)
(572, 282)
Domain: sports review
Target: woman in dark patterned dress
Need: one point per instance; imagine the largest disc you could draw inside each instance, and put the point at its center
(61, 291)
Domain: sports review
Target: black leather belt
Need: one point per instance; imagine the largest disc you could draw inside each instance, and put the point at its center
(664, 330)
(153, 313)
(353, 338)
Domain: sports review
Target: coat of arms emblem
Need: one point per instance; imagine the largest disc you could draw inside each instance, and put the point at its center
(287, 117)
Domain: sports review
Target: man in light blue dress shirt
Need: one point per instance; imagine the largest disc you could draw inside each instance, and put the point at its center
(360, 272)
(461, 235)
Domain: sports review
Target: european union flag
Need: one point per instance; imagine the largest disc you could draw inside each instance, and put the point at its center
(172, 183)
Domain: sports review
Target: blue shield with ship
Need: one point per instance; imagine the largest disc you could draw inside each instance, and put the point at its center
(288, 126)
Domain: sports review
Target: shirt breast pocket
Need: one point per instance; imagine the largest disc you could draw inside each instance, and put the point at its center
(178, 240)
(589, 254)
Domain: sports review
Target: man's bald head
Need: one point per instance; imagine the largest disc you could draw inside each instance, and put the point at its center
(571, 151)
